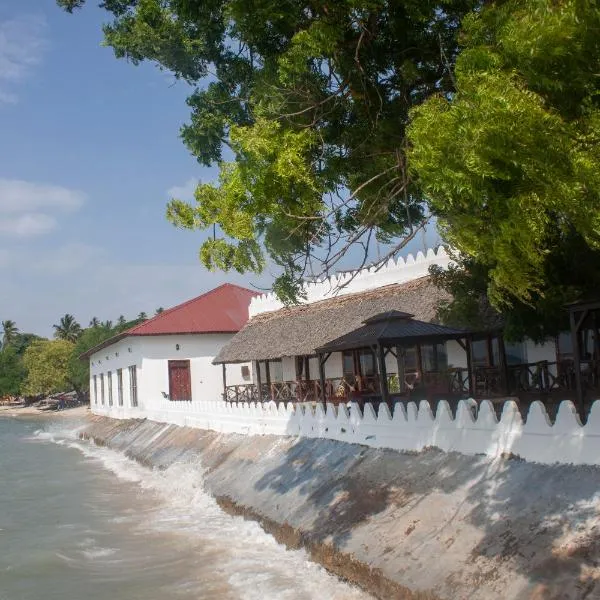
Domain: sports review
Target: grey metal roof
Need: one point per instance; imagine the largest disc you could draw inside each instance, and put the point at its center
(393, 330)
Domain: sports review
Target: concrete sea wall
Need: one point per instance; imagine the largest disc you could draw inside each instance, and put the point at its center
(426, 524)
(473, 430)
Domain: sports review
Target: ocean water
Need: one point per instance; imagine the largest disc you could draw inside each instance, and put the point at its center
(78, 521)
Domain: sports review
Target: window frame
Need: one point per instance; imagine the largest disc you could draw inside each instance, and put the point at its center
(133, 386)
(120, 387)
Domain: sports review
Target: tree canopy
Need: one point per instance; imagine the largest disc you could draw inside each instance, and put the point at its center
(47, 364)
(304, 107)
(510, 162)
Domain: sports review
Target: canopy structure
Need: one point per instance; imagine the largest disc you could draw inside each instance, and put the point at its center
(394, 329)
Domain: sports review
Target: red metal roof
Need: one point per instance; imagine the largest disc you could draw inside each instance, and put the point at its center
(222, 310)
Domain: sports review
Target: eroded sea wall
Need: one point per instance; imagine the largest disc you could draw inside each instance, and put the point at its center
(402, 525)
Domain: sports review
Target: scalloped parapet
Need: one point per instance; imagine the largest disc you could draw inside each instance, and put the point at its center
(473, 430)
(398, 270)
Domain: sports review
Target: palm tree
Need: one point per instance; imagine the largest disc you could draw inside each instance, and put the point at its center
(106, 324)
(142, 316)
(95, 322)
(159, 310)
(9, 332)
(121, 321)
(67, 329)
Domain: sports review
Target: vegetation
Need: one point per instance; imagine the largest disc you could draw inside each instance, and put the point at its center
(311, 100)
(356, 120)
(33, 366)
(510, 163)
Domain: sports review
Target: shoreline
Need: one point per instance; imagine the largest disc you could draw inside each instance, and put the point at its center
(399, 525)
(19, 412)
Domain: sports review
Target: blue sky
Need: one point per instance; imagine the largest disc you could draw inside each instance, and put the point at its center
(89, 156)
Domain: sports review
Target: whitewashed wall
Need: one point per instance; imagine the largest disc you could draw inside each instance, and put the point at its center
(398, 270)
(150, 355)
(414, 429)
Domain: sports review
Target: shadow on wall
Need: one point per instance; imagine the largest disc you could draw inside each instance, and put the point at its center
(540, 521)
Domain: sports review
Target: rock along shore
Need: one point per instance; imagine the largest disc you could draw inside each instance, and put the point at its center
(402, 526)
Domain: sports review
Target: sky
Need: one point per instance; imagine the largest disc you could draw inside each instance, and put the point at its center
(89, 156)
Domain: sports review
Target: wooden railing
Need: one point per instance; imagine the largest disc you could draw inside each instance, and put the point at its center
(542, 378)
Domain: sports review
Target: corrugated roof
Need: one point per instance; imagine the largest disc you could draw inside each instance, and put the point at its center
(223, 309)
(300, 330)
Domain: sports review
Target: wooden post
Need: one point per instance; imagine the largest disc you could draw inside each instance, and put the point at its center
(469, 366)
(577, 363)
(224, 382)
(258, 381)
(400, 356)
(322, 360)
(503, 365)
(383, 384)
(268, 375)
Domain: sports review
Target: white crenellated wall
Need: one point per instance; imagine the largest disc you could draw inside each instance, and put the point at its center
(413, 429)
(398, 270)
(150, 355)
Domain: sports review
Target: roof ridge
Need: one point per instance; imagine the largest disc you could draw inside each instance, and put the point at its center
(168, 311)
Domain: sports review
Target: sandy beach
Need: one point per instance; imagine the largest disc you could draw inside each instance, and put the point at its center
(34, 411)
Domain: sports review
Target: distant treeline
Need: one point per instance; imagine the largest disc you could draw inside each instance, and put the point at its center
(33, 366)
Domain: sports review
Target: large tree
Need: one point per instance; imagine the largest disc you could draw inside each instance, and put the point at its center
(510, 162)
(47, 364)
(67, 329)
(311, 100)
(9, 332)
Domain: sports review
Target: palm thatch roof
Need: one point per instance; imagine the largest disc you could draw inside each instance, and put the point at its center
(299, 330)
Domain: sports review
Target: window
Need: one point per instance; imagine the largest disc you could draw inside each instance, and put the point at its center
(102, 389)
(276, 370)
(120, 387)
(110, 391)
(479, 352)
(180, 381)
(366, 362)
(434, 357)
(411, 360)
(95, 389)
(515, 353)
(133, 394)
(348, 362)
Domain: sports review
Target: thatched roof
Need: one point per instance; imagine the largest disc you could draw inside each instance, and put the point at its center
(299, 330)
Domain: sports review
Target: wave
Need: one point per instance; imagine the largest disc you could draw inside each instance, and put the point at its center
(252, 562)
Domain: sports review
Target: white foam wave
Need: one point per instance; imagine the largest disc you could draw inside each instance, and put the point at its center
(252, 561)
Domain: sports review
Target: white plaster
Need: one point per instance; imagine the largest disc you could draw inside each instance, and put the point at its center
(150, 354)
(471, 432)
(400, 270)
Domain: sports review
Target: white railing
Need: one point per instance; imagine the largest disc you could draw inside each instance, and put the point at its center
(472, 431)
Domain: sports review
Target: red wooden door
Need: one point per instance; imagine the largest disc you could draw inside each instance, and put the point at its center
(180, 380)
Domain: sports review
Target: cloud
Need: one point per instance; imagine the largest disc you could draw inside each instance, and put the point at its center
(27, 225)
(22, 43)
(185, 191)
(25, 206)
(22, 196)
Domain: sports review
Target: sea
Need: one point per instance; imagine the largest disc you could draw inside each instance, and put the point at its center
(83, 522)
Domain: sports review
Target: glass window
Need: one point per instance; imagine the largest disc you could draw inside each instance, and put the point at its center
(411, 360)
(434, 357)
(348, 362)
(102, 389)
(479, 353)
(120, 387)
(95, 389)
(110, 393)
(276, 370)
(133, 385)
(515, 353)
(367, 362)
